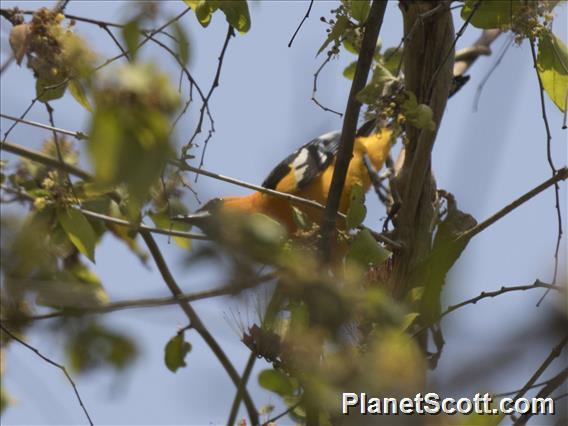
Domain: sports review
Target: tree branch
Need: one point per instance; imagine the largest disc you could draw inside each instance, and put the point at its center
(197, 324)
(502, 290)
(77, 135)
(554, 353)
(349, 128)
(550, 387)
(551, 165)
(55, 364)
(561, 174)
(152, 302)
(306, 16)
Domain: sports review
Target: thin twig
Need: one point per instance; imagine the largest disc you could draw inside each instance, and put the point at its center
(315, 88)
(279, 416)
(502, 394)
(55, 364)
(552, 169)
(45, 160)
(502, 290)
(349, 128)
(561, 174)
(550, 387)
(481, 85)
(116, 220)
(152, 302)
(22, 116)
(242, 385)
(197, 324)
(77, 135)
(554, 353)
(59, 153)
(214, 85)
(306, 16)
(146, 39)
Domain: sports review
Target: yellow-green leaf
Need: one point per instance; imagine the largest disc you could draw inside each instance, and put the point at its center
(360, 9)
(175, 351)
(78, 230)
(182, 43)
(300, 218)
(236, 12)
(491, 14)
(48, 90)
(163, 221)
(349, 71)
(552, 65)
(357, 210)
(277, 382)
(366, 251)
(78, 92)
(131, 35)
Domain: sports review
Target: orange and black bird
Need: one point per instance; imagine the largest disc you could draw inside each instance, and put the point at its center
(307, 173)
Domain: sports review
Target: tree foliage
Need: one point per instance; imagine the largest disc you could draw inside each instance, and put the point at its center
(326, 328)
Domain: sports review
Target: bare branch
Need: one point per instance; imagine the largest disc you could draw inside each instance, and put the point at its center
(552, 168)
(197, 324)
(205, 105)
(153, 302)
(55, 364)
(368, 45)
(554, 353)
(550, 387)
(561, 174)
(117, 221)
(45, 160)
(306, 16)
(315, 88)
(502, 290)
(77, 135)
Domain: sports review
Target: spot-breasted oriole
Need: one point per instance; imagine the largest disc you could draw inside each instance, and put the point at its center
(307, 173)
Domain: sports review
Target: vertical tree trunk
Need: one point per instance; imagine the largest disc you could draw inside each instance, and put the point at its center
(428, 62)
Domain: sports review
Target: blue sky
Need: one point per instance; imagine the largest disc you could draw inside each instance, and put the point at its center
(262, 112)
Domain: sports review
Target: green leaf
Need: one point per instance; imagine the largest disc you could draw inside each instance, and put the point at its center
(391, 59)
(349, 71)
(236, 12)
(78, 92)
(300, 218)
(373, 90)
(130, 131)
(95, 346)
(162, 220)
(552, 66)
(408, 320)
(366, 251)
(131, 36)
(419, 115)
(44, 94)
(277, 382)
(176, 350)
(203, 10)
(182, 43)
(357, 210)
(341, 25)
(79, 231)
(360, 10)
(491, 14)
